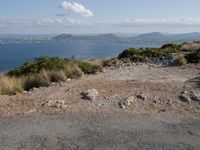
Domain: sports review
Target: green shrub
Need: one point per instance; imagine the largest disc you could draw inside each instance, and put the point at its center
(193, 57)
(37, 65)
(154, 52)
(86, 67)
(128, 53)
(138, 58)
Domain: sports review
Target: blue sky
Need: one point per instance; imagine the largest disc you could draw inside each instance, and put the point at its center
(99, 16)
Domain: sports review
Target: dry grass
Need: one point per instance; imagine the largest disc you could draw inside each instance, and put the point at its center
(181, 61)
(191, 46)
(110, 62)
(96, 62)
(73, 71)
(56, 76)
(10, 85)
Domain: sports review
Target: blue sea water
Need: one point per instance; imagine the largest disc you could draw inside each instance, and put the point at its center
(13, 55)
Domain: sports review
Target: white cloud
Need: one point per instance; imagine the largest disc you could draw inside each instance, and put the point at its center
(77, 8)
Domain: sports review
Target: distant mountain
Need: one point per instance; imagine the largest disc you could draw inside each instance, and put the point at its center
(150, 36)
(63, 37)
(156, 37)
(101, 37)
(186, 36)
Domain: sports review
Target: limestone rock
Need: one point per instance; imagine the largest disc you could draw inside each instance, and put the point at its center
(122, 105)
(90, 94)
(58, 104)
(129, 101)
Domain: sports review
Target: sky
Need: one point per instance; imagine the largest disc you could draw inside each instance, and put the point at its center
(99, 16)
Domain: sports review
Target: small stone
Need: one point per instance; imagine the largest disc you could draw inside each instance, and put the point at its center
(58, 104)
(103, 71)
(53, 84)
(195, 97)
(141, 97)
(129, 100)
(90, 94)
(122, 105)
(184, 98)
(184, 92)
(69, 79)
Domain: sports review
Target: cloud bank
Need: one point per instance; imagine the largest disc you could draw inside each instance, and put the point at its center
(77, 8)
(66, 22)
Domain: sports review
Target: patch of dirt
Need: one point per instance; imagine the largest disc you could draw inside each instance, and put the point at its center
(160, 86)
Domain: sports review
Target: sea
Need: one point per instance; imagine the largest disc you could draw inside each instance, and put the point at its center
(14, 55)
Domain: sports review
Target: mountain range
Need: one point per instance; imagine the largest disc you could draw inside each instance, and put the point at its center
(154, 37)
(148, 38)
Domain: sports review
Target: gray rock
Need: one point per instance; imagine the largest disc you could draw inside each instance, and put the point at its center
(129, 101)
(57, 104)
(142, 97)
(122, 105)
(195, 97)
(90, 94)
(184, 98)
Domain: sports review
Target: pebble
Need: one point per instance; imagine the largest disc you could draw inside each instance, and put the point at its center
(141, 97)
(122, 105)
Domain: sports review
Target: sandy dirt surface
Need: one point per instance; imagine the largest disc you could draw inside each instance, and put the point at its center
(161, 87)
(155, 119)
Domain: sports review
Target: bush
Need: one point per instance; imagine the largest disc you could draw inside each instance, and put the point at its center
(86, 67)
(193, 57)
(138, 58)
(56, 76)
(154, 52)
(36, 81)
(10, 86)
(171, 46)
(37, 65)
(110, 62)
(128, 53)
(73, 71)
(180, 61)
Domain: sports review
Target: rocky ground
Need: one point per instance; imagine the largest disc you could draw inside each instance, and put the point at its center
(135, 88)
(137, 106)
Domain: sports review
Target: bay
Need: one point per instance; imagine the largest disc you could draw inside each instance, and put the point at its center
(13, 55)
